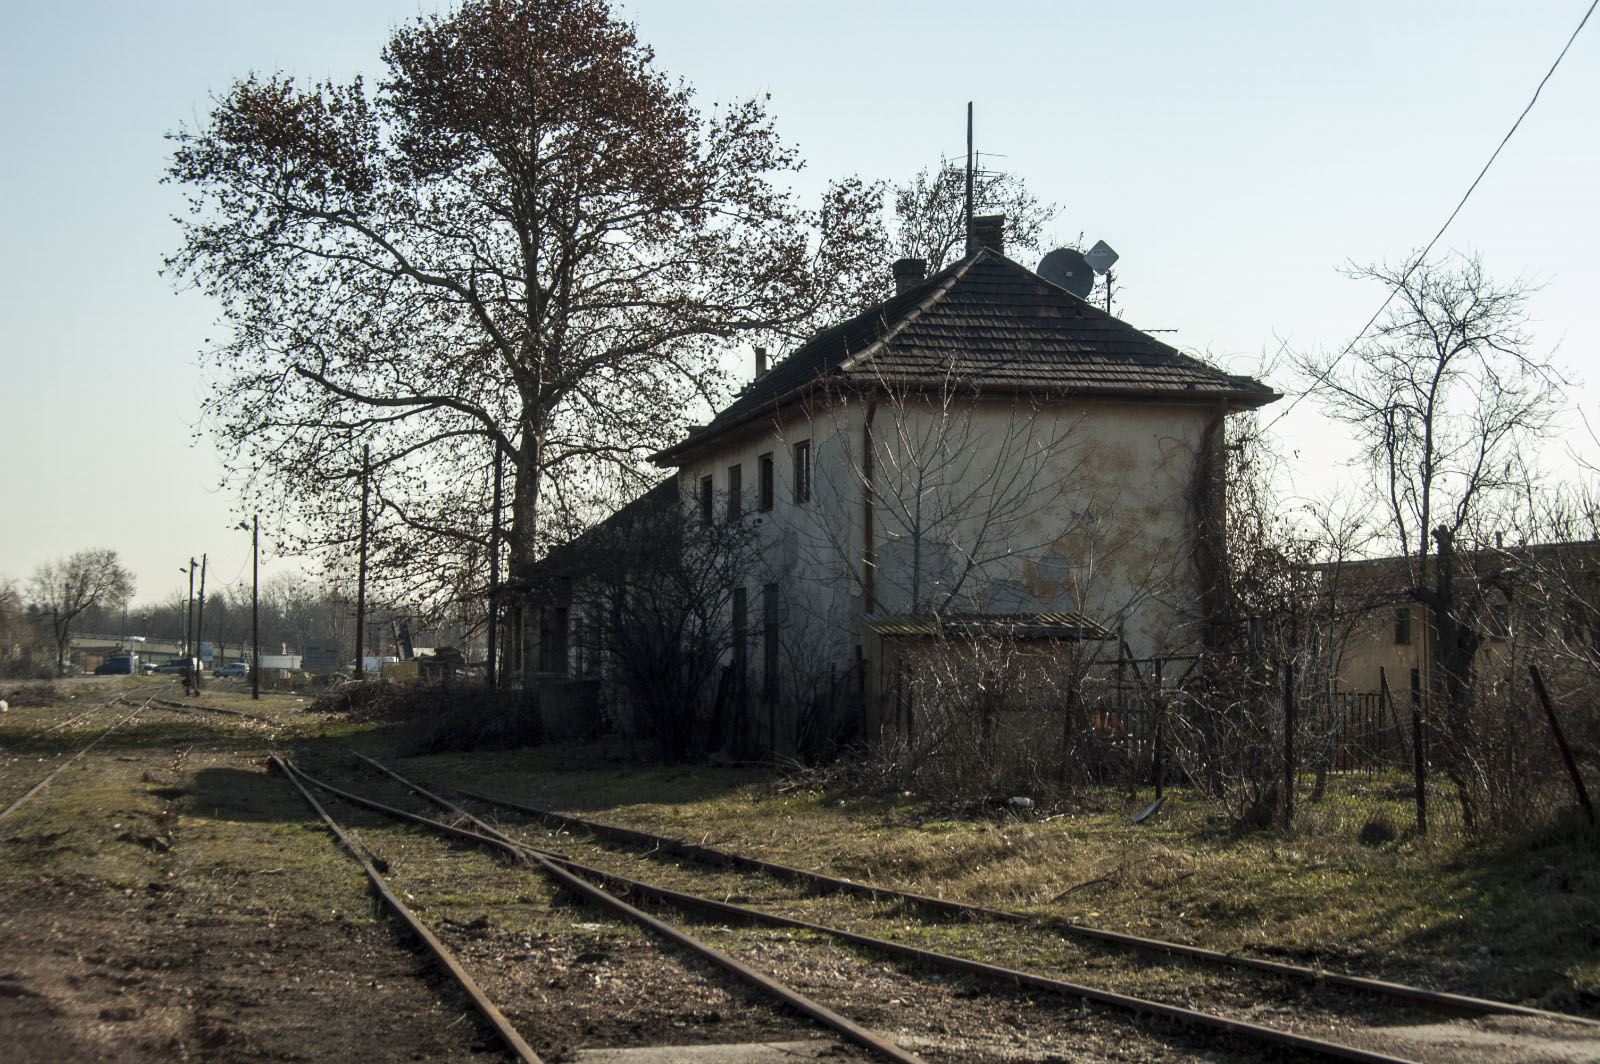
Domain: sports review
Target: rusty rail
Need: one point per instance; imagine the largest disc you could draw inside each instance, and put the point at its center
(1435, 1000)
(441, 953)
(558, 869)
(487, 834)
(192, 706)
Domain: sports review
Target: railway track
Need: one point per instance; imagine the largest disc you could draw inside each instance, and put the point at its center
(1228, 1025)
(665, 847)
(66, 760)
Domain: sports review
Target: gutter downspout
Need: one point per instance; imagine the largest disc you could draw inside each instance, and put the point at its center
(869, 559)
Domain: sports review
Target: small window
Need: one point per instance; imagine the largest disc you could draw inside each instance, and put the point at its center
(764, 488)
(1402, 626)
(735, 491)
(706, 500)
(802, 471)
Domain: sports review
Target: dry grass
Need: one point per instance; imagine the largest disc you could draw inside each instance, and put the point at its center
(1519, 920)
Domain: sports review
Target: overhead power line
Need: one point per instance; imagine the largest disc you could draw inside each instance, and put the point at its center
(1420, 259)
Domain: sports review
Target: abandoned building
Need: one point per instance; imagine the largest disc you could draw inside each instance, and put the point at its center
(1525, 603)
(982, 450)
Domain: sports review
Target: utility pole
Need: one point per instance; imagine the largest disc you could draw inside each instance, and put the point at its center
(361, 568)
(494, 575)
(188, 632)
(255, 607)
(200, 623)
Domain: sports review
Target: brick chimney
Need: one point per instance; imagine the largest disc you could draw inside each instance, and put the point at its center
(988, 231)
(908, 273)
(761, 361)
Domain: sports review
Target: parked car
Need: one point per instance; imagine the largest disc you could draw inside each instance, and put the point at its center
(239, 669)
(125, 664)
(175, 667)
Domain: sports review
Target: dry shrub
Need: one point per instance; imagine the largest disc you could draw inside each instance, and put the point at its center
(439, 718)
(369, 700)
(33, 694)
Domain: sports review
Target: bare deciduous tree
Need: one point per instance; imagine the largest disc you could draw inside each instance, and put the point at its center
(654, 606)
(1444, 398)
(930, 212)
(528, 242)
(64, 590)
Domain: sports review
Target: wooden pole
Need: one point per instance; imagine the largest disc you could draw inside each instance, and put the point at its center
(200, 622)
(1156, 767)
(1561, 742)
(255, 607)
(1289, 714)
(361, 565)
(1419, 757)
(494, 575)
(188, 634)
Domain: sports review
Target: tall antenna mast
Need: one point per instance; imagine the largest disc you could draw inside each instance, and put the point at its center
(967, 206)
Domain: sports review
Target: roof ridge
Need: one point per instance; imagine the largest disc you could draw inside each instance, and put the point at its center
(959, 271)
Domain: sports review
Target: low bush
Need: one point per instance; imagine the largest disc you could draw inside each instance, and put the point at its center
(449, 719)
(435, 718)
(33, 694)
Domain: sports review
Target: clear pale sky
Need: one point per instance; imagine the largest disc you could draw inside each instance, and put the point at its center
(1235, 154)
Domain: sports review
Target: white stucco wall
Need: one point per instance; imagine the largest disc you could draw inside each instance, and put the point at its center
(991, 506)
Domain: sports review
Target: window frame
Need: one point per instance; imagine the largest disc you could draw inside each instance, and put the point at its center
(764, 482)
(802, 471)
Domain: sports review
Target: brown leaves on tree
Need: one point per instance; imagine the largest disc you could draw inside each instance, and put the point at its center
(527, 242)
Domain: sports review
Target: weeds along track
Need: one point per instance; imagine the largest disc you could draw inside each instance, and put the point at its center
(18, 766)
(944, 1005)
(44, 751)
(29, 741)
(1378, 1015)
(749, 874)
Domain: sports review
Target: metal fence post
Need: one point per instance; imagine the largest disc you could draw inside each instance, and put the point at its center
(1561, 744)
(1160, 713)
(1288, 744)
(1418, 754)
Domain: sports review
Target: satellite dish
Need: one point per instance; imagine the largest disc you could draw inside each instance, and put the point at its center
(1067, 269)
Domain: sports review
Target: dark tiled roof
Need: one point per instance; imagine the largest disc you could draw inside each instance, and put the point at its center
(622, 537)
(989, 323)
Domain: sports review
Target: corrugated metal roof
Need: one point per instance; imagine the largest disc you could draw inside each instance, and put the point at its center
(987, 322)
(1006, 625)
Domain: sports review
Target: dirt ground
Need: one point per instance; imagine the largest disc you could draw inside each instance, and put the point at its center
(148, 912)
(166, 898)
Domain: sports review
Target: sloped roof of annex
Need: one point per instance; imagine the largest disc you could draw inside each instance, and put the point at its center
(994, 325)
